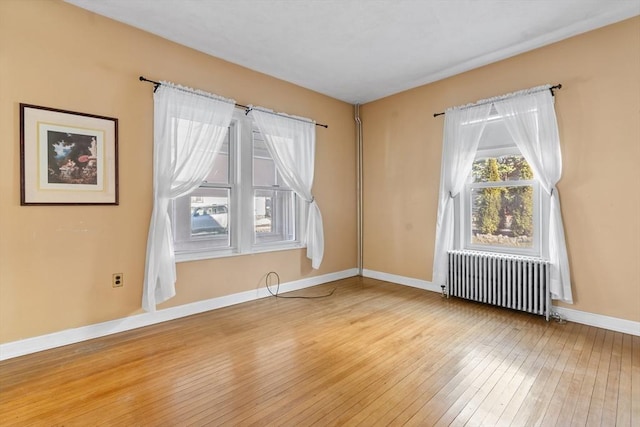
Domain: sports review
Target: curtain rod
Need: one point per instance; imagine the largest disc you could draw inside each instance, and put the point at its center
(558, 86)
(247, 109)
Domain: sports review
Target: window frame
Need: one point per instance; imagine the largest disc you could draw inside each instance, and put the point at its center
(463, 208)
(241, 224)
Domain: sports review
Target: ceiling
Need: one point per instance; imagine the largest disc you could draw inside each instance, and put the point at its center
(362, 50)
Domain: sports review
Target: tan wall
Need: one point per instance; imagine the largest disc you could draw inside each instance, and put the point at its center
(598, 111)
(56, 262)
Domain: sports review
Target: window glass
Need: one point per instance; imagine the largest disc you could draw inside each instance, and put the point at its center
(502, 216)
(220, 171)
(264, 172)
(501, 168)
(274, 219)
(502, 204)
(210, 214)
(202, 220)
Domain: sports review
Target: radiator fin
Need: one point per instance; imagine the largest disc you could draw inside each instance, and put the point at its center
(515, 282)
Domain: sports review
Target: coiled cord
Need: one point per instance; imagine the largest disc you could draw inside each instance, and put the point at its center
(267, 284)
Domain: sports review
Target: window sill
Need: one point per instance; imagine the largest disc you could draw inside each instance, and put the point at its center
(204, 255)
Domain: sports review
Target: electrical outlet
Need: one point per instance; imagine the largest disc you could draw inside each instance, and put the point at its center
(118, 280)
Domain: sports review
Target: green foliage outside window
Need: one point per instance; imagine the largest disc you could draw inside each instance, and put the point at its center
(522, 205)
(503, 210)
(491, 204)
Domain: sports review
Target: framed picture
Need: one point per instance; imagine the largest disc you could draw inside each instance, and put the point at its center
(67, 158)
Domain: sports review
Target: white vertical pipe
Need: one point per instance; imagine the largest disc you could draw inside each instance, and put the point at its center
(359, 220)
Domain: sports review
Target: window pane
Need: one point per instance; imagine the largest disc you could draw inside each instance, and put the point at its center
(274, 213)
(210, 213)
(184, 130)
(502, 216)
(220, 171)
(264, 172)
(502, 168)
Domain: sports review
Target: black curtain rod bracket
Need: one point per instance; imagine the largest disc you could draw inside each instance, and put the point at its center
(156, 85)
(551, 89)
(246, 108)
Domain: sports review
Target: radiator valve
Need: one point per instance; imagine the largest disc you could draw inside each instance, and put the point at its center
(557, 317)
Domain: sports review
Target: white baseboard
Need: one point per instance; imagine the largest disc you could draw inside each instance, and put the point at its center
(583, 317)
(599, 320)
(402, 280)
(71, 336)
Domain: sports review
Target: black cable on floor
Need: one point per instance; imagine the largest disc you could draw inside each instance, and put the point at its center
(267, 284)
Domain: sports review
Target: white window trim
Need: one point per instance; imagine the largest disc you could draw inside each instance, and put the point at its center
(241, 219)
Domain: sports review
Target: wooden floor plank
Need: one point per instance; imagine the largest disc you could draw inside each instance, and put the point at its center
(475, 410)
(610, 407)
(372, 354)
(491, 409)
(393, 365)
(521, 394)
(412, 391)
(623, 415)
(577, 372)
(554, 413)
(541, 392)
(311, 377)
(474, 359)
(583, 398)
(596, 406)
(635, 381)
(503, 396)
(374, 392)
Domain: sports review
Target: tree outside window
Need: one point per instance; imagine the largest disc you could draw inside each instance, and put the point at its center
(502, 199)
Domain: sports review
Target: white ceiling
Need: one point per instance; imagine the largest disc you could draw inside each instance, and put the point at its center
(361, 50)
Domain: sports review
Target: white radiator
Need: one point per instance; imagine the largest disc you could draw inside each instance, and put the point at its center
(516, 282)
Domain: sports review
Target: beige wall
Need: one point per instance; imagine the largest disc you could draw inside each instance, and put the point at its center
(56, 262)
(598, 111)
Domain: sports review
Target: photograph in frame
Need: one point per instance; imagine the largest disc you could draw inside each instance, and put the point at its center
(67, 157)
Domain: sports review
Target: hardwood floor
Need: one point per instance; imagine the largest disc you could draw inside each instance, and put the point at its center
(374, 353)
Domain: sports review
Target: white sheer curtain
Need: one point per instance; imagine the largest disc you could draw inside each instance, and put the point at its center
(291, 142)
(463, 128)
(189, 128)
(531, 121)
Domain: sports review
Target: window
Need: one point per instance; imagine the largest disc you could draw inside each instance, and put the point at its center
(242, 206)
(500, 205)
(201, 219)
(274, 202)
